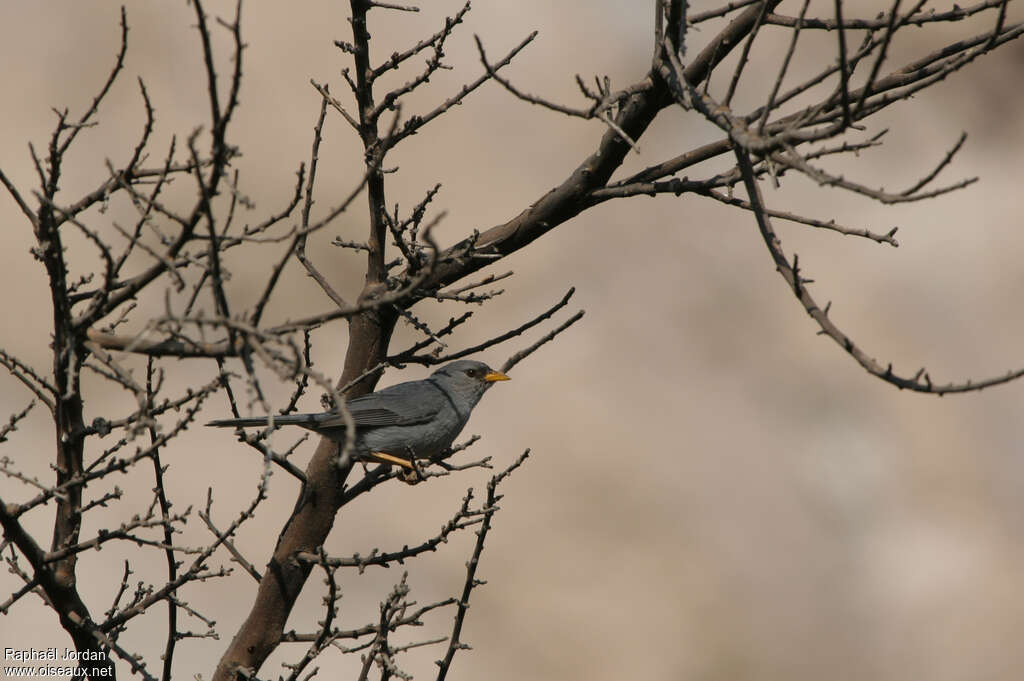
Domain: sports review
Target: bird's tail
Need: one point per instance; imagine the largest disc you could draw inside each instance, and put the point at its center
(240, 423)
(281, 420)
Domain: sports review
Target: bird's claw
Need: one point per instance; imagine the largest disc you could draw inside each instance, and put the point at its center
(412, 475)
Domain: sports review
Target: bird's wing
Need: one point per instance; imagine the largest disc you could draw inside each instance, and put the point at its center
(405, 404)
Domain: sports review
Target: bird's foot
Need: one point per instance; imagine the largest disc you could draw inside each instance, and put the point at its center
(412, 476)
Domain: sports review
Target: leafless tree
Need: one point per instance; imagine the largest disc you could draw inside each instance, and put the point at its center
(182, 258)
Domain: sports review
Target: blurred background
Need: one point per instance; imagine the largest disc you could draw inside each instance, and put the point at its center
(714, 491)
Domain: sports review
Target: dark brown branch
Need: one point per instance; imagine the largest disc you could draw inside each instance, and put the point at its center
(197, 567)
(397, 58)
(111, 77)
(883, 49)
(844, 66)
(919, 382)
(12, 422)
(416, 122)
(501, 338)
(546, 338)
(64, 597)
(411, 619)
(744, 54)
(957, 13)
(13, 191)
(464, 517)
(887, 238)
(793, 160)
(732, 6)
(39, 386)
(491, 506)
(567, 200)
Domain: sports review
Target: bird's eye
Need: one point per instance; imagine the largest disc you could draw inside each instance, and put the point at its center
(471, 372)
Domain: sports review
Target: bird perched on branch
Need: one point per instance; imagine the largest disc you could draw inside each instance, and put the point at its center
(401, 423)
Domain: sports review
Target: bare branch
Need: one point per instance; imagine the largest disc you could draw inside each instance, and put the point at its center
(919, 382)
(455, 641)
(416, 122)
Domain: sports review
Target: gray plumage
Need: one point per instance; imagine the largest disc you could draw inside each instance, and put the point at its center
(412, 420)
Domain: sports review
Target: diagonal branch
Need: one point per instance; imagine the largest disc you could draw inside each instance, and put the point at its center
(919, 382)
(568, 199)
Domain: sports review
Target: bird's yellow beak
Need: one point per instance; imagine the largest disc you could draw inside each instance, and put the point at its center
(496, 376)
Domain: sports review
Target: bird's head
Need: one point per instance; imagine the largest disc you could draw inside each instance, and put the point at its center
(467, 378)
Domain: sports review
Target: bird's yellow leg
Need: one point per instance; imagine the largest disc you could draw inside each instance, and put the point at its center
(388, 458)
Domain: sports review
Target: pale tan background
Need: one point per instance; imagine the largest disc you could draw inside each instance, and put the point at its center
(715, 492)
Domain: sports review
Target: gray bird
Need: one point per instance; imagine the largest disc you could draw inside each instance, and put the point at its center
(403, 422)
